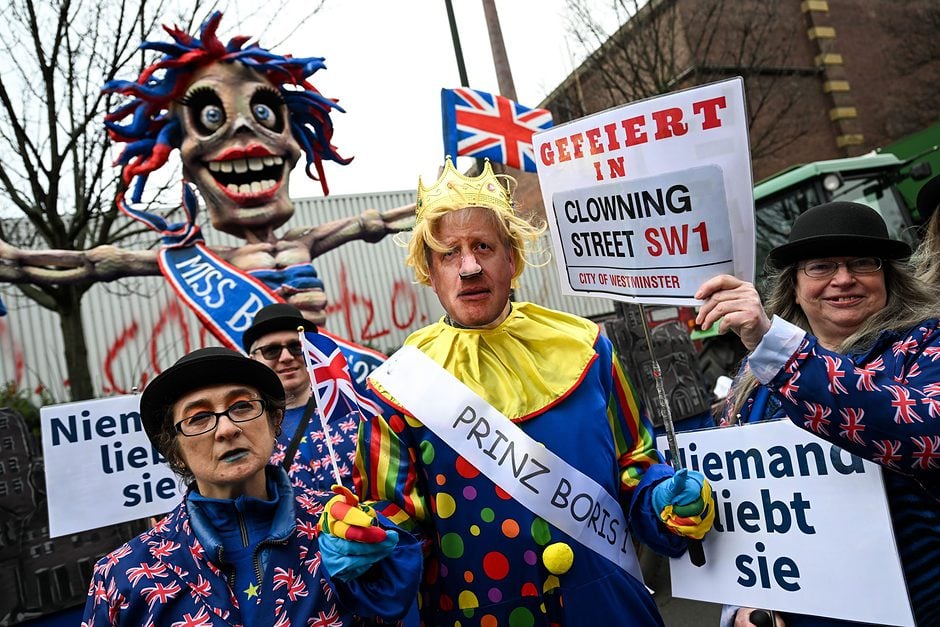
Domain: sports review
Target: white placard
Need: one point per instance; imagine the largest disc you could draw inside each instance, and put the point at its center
(100, 467)
(801, 525)
(647, 200)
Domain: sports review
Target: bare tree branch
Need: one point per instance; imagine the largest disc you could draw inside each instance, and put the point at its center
(664, 45)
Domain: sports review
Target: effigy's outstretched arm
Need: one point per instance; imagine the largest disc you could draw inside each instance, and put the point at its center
(71, 267)
(370, 226)
(109, 263)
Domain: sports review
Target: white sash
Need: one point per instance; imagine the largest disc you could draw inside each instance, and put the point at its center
(533, 475)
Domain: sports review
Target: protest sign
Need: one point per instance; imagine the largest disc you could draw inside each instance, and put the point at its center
(801, 525)
(647, 200)
(100, 467)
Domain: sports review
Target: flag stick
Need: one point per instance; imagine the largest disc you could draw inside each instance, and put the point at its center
(696, 552)
(317, 399)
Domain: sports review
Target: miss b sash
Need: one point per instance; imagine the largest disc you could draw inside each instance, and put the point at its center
(222, 296)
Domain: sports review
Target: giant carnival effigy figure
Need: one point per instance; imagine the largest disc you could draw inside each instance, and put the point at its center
(240, 116)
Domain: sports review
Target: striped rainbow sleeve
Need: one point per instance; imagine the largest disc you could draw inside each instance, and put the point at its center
(633, 433)
(384, 474)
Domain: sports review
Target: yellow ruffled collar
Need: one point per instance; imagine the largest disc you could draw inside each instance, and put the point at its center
(531, 361)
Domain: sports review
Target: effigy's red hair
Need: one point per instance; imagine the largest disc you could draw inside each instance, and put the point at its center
(153, 131)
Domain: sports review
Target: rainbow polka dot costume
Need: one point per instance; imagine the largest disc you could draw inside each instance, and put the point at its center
(557, 378)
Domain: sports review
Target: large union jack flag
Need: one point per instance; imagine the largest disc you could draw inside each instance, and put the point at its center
(482, 125)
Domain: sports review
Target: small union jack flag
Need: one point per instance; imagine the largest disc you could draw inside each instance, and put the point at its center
(201, 619)
(887, 452)
(160, 593)
(330, 380)
(852, 424)
(135, 574)
(482, 125)
(928, 451)
(790, 388)
(332, 387)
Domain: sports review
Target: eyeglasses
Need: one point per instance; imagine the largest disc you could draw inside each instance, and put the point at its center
(273, 351)
(823, 268)
(206, 421)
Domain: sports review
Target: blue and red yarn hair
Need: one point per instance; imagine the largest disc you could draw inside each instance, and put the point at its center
(154, 131)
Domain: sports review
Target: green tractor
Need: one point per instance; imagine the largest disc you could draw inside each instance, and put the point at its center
(874, 180)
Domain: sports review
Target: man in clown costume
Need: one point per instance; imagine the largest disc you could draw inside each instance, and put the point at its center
(495, 402)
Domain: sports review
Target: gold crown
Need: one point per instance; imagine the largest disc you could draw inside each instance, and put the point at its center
(456, 191)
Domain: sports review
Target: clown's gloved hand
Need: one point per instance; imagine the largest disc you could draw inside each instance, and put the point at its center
(685, 503)
(344, 518)
(350, 539)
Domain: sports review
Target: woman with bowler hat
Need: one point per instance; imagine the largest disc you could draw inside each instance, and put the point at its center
(842, 299)
(244, 547)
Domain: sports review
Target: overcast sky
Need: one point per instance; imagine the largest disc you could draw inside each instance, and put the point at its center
(386, 63)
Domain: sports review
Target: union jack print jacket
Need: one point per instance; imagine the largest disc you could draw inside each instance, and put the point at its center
(882, 405)
(311, 467)
(165, 577)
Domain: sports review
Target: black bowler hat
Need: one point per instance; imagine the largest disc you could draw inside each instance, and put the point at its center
(203, 368)
(928, 198)
(838, 229)
(276, 317)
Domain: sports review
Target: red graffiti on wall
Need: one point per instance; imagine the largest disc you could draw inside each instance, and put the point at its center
(171, 313)
(139, 349)
(404, 305)
(403, 310)
(126, 335)
(171, 328)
